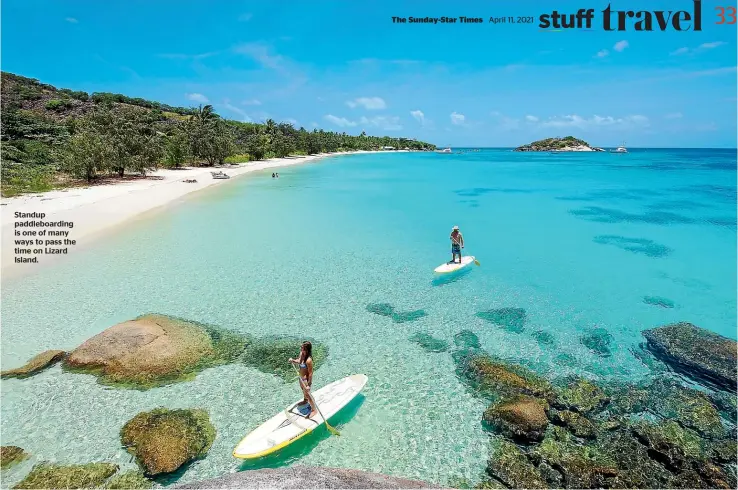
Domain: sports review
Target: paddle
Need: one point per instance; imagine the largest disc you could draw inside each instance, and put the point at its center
(314, 404)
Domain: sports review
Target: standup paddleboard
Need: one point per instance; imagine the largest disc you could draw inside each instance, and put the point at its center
(290, 425)
(453, 267)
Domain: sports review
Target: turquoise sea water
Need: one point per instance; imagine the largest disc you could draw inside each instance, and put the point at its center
(576, 240)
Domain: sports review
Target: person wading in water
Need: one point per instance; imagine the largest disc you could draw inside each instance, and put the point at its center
(305, 363)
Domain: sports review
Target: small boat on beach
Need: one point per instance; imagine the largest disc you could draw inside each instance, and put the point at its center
(220, 175)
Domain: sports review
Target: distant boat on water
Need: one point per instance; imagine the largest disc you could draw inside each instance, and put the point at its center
(445, 150)
(620, 149)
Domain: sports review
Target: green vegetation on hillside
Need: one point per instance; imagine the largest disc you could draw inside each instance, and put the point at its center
(53, 137)
(549, 144)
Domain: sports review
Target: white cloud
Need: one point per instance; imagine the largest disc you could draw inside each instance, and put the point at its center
(620, 46)
(575, 121)
(496, 113)
(244, 117)
(706, 127)
(531, 118)
(72, 20)
(245, 17)
(370, 103)
(314, 124)
(603, 53)
(457, 119)
(673, 115)
(701, 47)
(261, 53)
(387, 123)
(339, 121)
(419, 116)
(195, 97)
(289, 120)
(251, 102)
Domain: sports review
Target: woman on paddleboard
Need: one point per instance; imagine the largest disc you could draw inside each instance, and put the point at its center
(305, 363)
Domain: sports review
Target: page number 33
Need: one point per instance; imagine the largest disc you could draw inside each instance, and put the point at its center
(726, 13)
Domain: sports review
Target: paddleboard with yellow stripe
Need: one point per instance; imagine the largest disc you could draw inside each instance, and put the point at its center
(447, 268)
(290, 425)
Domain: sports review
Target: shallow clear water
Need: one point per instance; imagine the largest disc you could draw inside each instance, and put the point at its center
(577, 240)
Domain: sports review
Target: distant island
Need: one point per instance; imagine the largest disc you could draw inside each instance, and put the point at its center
(568, 143)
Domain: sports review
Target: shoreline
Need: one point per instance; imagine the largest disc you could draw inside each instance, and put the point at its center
(99, 208)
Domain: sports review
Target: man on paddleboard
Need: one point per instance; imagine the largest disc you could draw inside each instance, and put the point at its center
(457, 243)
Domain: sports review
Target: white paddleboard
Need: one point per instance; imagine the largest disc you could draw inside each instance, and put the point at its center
(290, 425)
(446, 268)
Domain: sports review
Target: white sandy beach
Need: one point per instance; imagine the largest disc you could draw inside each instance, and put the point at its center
(99, 208)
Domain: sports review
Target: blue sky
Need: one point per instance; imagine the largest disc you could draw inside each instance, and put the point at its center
(343, 65)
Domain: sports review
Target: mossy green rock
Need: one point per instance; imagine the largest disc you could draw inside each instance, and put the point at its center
(705, 356)
(691, 408)
(154, 350)
(48, 476)
(163, 440)
(581, 395)
(636, 469)
(37, 364)
(10, 455)
(270, 354)
(577, 424)
(581, 466)
(519, 417)
(429, 343)
(386, 309)
(129, 480)
(508, 464)
(670, 443)
(494, 377)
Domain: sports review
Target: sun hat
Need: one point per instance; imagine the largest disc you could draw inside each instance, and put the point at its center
(455, 227)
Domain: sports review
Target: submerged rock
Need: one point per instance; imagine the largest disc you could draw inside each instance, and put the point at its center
(598, 340)
(466, 339)
(543, 337)
(129, 480)
(154, 350)
(408, 316)
(269, 355)
(383, 309)
(386, 309)
(429, 343)
(704, 356)
(581, 395)
(306, 477)
(658, 301)
(10, 455)
(163, 440)
(509, 464)
(36, 364)
(520, 417)
(46, 475)
(512, 319)
(494, 377)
